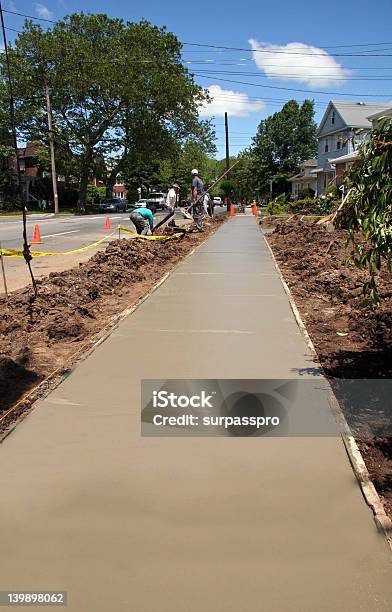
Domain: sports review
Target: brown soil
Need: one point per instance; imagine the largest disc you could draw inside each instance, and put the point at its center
(328, 294)
(38, 335)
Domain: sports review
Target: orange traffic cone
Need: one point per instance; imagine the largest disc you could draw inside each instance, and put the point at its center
(107, 223)
(232, 210)
(37, 236)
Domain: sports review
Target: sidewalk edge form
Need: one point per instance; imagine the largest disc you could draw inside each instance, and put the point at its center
(383, 522)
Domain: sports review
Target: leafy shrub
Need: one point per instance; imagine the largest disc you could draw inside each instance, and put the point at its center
(307, 205)
(279, 205)
(306, 193)
(332, 191)
(368, 209)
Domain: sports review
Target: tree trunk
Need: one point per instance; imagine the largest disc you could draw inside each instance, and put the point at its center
(84, 181)
(83, 190)
(109, 187)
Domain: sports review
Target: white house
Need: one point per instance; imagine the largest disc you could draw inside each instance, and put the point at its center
(339, 126)
(304, 180)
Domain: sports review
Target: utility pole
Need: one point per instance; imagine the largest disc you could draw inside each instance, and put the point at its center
(26, 247)
(227, 142)
(227, 156)
(52, 158)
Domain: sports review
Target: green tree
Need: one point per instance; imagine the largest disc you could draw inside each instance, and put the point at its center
(282, 141)
(368, 209)
(117, 90)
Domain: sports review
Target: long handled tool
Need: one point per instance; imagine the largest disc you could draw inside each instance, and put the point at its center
(186, 212)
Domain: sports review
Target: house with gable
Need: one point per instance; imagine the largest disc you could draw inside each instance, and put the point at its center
(339, 125)
(304, 180)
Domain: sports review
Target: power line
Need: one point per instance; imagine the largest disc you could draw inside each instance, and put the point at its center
(294, 76)
(327, 93)
(279, 52)
(214, 63)
(29, 16)
(227, 48)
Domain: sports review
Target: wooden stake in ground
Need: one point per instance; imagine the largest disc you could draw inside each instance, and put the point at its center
(3, 271)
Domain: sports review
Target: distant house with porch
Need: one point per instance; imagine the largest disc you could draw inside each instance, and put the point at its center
(339, 125)
(119, 188)
(304, 180)
(375, 117)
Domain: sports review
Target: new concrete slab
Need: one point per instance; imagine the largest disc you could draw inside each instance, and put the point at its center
(156, 524)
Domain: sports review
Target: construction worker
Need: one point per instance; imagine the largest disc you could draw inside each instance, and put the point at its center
(197, 205)
(143, 220)
(172, 197)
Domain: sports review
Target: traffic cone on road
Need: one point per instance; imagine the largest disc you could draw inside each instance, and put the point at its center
(37, 236)
(232, 210)
(107, 225)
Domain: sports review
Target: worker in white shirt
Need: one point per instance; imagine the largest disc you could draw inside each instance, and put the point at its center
(172, 197)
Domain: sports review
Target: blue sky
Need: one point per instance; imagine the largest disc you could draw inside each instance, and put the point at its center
(294, 45)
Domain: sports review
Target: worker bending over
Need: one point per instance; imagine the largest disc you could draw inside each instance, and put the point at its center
(142, 219)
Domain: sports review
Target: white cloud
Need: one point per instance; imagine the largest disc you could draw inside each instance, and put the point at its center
(42, 11)
(298, 62)
(234, 103)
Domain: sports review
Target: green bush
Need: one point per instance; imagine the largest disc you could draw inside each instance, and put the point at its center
(309, 205)
(332, 191)
(279, 205)
(306, 193)
(275, 208)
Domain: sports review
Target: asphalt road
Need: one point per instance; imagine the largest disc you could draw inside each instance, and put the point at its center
(60, 233)
(65, 232)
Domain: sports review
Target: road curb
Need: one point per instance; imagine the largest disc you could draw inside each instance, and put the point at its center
(381, 519)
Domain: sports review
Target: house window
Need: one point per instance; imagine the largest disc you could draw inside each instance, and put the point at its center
(338, 144)
(333, 117)
(326, 147)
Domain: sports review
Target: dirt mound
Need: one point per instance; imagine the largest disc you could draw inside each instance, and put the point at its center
(329, 296)
(329, 293)
(74, 305)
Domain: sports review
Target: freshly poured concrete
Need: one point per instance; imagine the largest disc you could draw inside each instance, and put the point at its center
(125, 523)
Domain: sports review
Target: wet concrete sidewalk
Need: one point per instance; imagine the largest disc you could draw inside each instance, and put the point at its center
(171, 524)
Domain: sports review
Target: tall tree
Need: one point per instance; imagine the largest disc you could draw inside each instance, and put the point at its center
(282, 141)
(105, 76)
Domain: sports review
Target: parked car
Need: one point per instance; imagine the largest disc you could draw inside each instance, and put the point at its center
(155, 200)
(217, 201)
(140, 204)
(113, 205)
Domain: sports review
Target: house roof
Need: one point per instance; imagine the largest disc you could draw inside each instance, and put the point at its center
(354, 114)
(344, 158)
(387, 111)
(309, 162)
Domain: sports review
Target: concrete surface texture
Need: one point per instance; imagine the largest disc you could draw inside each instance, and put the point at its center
(125, 523)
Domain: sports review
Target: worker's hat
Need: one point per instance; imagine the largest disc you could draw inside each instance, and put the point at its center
(194, 171)
(175, 186)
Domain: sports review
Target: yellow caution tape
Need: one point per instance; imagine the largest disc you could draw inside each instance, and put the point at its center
(125, 229)
(19, 252)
